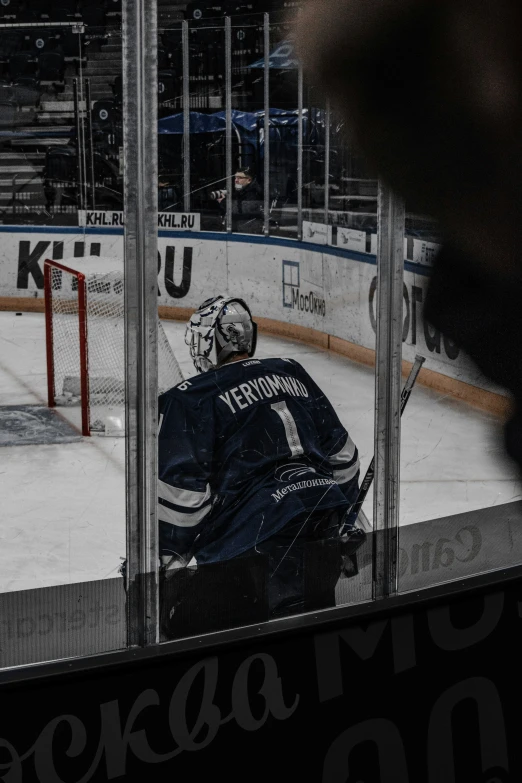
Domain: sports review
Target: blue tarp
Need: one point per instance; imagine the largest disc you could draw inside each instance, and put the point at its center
(216, 122)
(199, 123)
(250, 127)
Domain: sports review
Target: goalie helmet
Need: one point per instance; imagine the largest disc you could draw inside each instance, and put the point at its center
(220, 327)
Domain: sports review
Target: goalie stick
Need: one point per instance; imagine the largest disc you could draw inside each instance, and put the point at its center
(370, 473)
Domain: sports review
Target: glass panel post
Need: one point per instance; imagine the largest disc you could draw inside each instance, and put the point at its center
(186, 117)
(228, 110)
(79, 142)
(390, 274)
(92, 176)
(141, 248)
(300, 112)
(266, 151)
(327, 126)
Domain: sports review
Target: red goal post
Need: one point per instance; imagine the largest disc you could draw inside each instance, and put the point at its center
(85, 342)
(80, 303)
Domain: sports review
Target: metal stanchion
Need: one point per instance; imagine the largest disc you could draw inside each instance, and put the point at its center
(90, 141)
(300, 153)
(228, 111)
(266, 36)
(141, 315)
(186, 118)
(390, 280)
(79, 150)
(327, 128)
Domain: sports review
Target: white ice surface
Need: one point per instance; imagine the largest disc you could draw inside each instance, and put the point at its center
(63, 507)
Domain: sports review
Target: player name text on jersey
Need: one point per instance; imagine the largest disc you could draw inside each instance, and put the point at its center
(268, 386)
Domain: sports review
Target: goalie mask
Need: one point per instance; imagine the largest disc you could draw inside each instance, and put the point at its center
(220, 327)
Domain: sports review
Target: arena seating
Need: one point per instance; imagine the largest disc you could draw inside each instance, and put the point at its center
(38, 66)
(8, 114)
(60, 177)
(9, 9)
(92, 12)
(40, 40)
(51, 67)
(93, 15)
(11, 42)
(167, 89)
(23, 64)
(6, 91)
(26, 91)
(107, 126)
(117, 90)
(206, 9)
(104, 114)
(170, 41)
(62, 14)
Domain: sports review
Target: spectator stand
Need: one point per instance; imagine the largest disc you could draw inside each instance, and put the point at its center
(38, 59)
(44, 48)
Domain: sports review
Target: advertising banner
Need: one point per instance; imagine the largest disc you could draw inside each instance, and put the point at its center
(181, 221)
(329, 290)
(420, 692)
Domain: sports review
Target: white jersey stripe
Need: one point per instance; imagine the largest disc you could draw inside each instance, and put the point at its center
(182, 497)
(180, 519)
(344, 455)
(342, 476)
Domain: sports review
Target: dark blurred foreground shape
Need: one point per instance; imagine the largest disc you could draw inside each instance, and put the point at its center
(431, 90)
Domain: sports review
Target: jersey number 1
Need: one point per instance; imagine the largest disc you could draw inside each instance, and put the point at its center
(292, 436)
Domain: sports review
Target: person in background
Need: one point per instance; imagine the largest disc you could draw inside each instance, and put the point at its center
(247, 203)
(169, 199)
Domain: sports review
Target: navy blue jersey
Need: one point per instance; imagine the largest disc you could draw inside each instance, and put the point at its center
(243, 450)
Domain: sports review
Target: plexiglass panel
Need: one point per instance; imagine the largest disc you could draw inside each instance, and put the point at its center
(62, 368)
(352, 191)
(460, 495)
(262, 200)
(261, 453)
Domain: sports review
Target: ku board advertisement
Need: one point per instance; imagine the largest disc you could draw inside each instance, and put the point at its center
(328, 289)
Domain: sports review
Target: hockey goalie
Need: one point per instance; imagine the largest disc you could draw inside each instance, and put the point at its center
(257, 477)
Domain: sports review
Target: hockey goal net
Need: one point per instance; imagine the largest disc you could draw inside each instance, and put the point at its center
(85, 339)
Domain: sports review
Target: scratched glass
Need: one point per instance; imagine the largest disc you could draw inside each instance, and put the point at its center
(460, 496)
(62, 390)
(283, 133)
(192, 144)
(314, 171)
(235, 452)
(352, 192)
(248, 117)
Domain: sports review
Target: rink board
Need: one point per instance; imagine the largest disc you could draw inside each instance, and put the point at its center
(88, 618)
(325, 295)
(409, 691)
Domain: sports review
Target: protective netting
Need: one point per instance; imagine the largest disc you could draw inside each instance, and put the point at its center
(103, 362)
